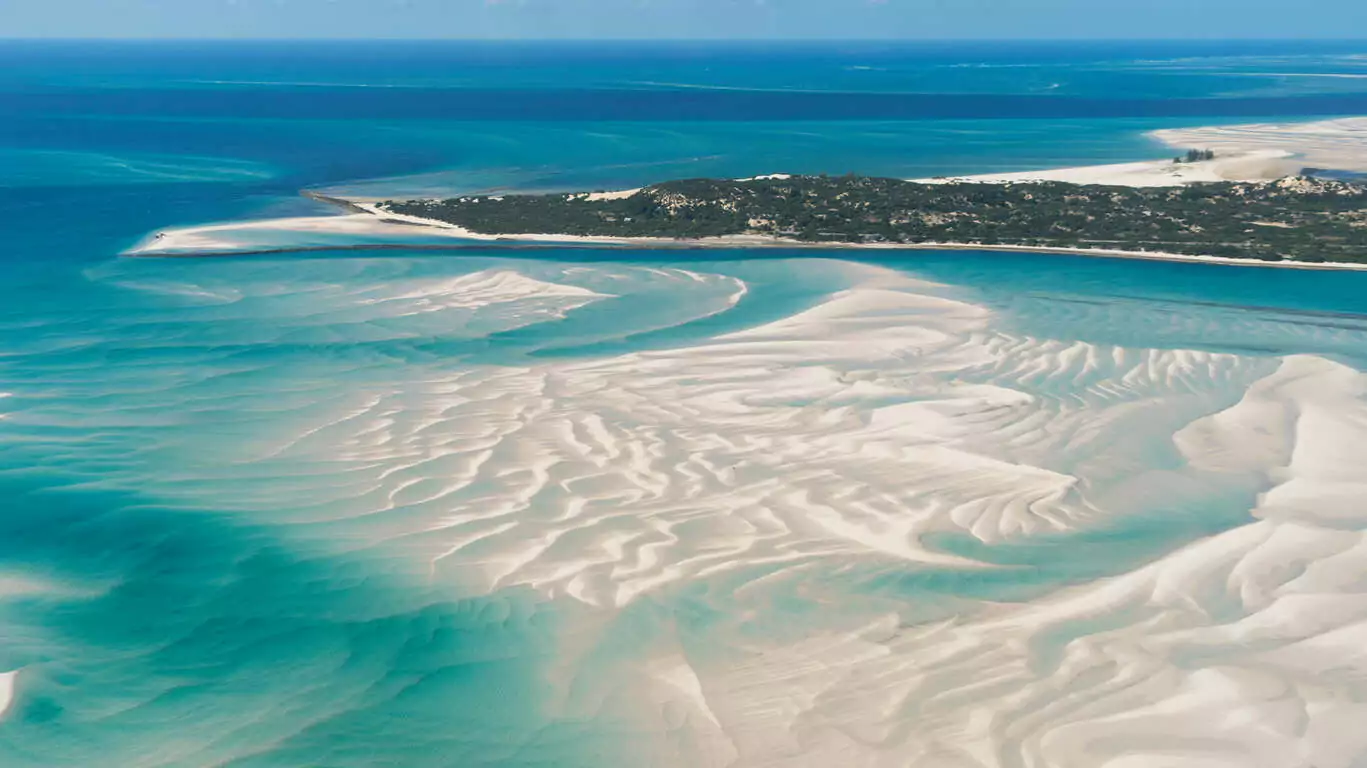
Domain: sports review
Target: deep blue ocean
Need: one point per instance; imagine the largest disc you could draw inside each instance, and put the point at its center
(231, 532)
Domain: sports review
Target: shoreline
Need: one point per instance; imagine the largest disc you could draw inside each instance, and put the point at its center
(552, 241)
(765, 241)
(1257, 152)
(700, 245)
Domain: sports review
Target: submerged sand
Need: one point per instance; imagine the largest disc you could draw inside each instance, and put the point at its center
(756, 518)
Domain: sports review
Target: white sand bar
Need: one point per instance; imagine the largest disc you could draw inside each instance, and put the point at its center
(1333, 144)
(1257, 152)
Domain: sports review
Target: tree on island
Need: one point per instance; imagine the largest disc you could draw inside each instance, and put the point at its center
(1196, 156)
(1306, 220)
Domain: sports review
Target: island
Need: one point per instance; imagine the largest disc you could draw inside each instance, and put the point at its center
(1295, 219)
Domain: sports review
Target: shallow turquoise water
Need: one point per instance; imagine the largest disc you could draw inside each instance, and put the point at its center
(201, 559)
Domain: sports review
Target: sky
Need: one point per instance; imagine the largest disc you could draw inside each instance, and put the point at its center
(679, 19)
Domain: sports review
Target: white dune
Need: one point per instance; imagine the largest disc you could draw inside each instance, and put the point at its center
(1246, 164)
(620, 194)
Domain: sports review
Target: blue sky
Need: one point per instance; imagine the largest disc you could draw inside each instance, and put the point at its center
(809, 19)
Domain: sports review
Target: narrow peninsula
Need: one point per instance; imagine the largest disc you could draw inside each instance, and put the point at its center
(1295, 219)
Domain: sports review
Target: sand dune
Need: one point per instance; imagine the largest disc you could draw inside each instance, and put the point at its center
(1242, 165)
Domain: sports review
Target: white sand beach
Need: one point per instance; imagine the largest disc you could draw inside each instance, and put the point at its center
(217, 239)
(226, 236)
(1256, 152)
(761, 241)
(1257, 165)
(620, 194)
(1333, 144)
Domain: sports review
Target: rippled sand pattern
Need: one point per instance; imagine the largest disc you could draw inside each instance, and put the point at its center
(886, 528)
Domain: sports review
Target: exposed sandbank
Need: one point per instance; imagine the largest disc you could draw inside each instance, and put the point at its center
(1331, 144)
(1253, 152)
(820, 455)
(761, 241)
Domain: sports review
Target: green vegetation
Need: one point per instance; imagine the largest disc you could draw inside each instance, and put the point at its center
(1297, 218)
(1195, 156)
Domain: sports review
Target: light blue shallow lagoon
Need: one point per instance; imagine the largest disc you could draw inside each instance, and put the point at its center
(605, 507)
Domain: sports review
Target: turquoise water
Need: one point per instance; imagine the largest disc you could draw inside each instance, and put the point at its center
(267, 510)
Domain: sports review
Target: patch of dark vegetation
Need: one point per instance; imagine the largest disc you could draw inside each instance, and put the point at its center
(1304, 219)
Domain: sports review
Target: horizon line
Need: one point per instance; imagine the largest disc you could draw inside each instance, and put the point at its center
(657, 40)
